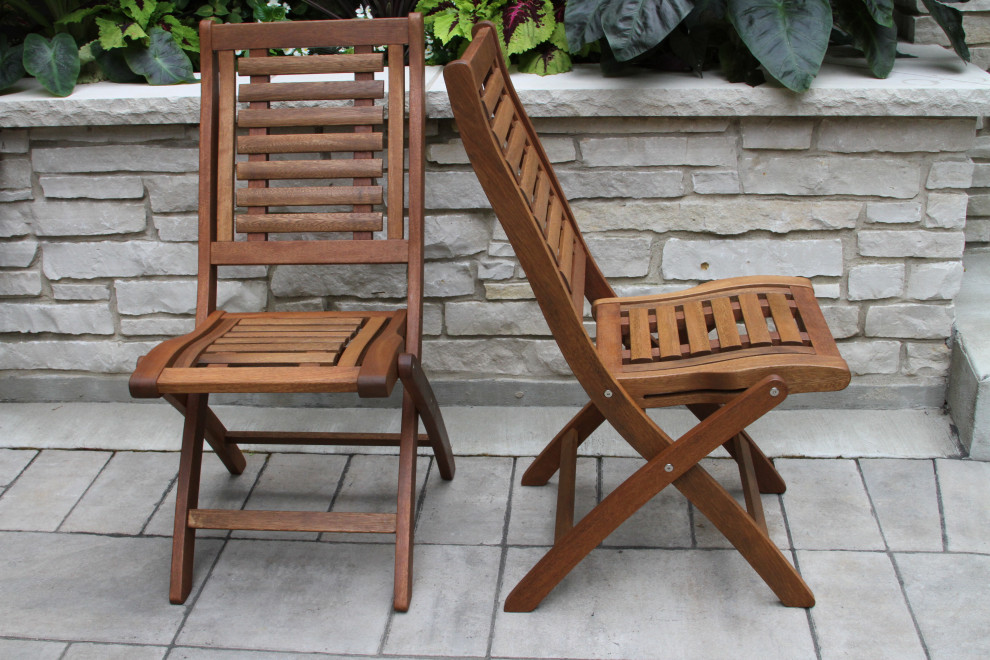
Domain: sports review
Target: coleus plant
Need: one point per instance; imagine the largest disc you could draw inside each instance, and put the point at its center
(531, 32)
(788, 38)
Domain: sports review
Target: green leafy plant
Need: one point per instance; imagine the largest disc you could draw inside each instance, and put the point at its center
(11, 63)
(786, 38)
(54, 62)
(530, 31)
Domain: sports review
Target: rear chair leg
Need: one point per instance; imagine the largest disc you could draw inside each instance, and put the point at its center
(406, 507)
(187, 497)
(547, 463)
(216, 434)
(769, 480)
(415, 383)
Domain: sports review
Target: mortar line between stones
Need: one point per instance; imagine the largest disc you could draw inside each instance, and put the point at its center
(941, 506)
(503, 556)
(159, 503)
(83, 494)
(37, 453)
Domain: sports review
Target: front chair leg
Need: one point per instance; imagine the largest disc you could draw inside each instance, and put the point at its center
(677, 460)
(187, 497)
(406, 507)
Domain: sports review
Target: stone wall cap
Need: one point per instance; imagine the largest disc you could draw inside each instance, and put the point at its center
(934, 83)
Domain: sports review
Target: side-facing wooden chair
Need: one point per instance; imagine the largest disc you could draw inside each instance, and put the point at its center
(320, 118)
(729, 350)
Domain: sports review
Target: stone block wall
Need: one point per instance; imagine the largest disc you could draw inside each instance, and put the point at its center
(98, 257)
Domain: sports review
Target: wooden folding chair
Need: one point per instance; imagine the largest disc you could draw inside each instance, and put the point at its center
(320, 118)
(729, 350)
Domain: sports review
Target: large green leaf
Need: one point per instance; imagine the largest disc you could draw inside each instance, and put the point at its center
(583, 22)
(54, 63)
(878, 42)
(788, 37)
(950, 20)
(11, 63)
(162, 62)
(633, 27)
(882, 11)
(113, 64)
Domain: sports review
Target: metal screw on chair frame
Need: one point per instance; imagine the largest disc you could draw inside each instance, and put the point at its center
(608, 394)
(774, 391)
(668, 468)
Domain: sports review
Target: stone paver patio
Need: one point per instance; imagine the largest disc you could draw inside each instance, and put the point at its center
(897, 551)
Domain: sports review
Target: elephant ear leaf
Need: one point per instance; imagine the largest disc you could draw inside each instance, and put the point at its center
(633, 27)
(950, 20)
(162, 62)
(54, 63)
(11, 63)
(877, 41)
(788, 37)
(583, 22)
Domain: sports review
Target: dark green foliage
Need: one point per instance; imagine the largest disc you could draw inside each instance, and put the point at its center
(55, 62)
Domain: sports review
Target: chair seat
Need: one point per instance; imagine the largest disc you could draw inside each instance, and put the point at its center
(278, 352)
(704, 344)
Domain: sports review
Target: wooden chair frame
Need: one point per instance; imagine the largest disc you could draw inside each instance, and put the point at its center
(333, 351)
(649, 351)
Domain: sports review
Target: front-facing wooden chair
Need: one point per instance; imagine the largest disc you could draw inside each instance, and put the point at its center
(320, 119)
(729, 350)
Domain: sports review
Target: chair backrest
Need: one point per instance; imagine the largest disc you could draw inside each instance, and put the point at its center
(516, 174)
(319, 140)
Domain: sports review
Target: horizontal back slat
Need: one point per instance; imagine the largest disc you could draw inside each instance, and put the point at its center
(344, 63)
(309, 196)
(312, 91)
(311, 117)
(309, 143)
(297, 222)
(344, 168)
(309, 34)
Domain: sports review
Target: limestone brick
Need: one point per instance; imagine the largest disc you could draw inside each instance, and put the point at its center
(92, 187)
(621, 257)
(454, 190)
(162, 326)
(16, 195)
(448, 279)
(895, 134)
(909, 321)
(176, 228)
(81, 291)
(17, 254)
(927, 359)
(97, 356)
(979, 204)
(300, 305)
(950, 174)
(20, 283)
(179, 296)
(724, 182)
(875, 281)
(928, 244)
(65, 318)
(456, 235)
(83, 218)
(115, 158)
(503, 318)
(843, 320)
(716, 259)
(559, 150)
(114, 133)
(776, 133)
(829, 175)
(360, 281)
(501, 250)
(618, 125)
(981, 175)
(432, 312)
(935, 281)
(15, 172)
(651, 151)
(109, 259)
(495, 356)
(947, 210)
(241, 272)
(508, 291)
(492, 269)
(173, 193)
(583, 184)
(13, 141)
(714, 216)
(978, 230)
(829, 290)
(981, 147)
(871, 357)
(893, 212)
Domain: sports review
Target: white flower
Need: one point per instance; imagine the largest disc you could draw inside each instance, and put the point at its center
(363, 11)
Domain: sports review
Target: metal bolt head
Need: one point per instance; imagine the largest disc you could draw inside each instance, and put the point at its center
(608, 394)
(774, 391)
(668, 468)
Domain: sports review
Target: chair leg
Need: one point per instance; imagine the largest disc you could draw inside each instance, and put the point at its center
(767, 477)
(216, 434)
(747, 475)
(415, 382)
(565, 487)
(677, 462)
(546, 464)
(187, 497)
(406, 507)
